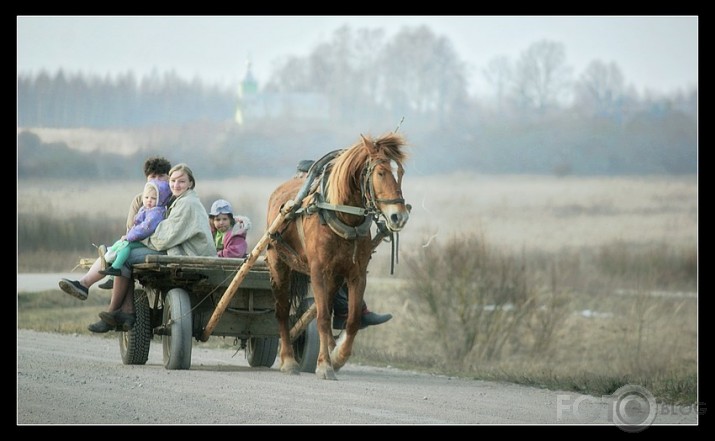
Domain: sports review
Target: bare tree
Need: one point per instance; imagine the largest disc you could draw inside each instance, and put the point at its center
(344, 69)
(292, 75)
(422, 74)
(601, 89)
(416, 73)
(541, 77)
(498, 74)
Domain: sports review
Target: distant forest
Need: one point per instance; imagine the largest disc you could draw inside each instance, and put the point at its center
(538, 118)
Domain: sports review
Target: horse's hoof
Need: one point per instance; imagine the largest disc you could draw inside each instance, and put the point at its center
(290, 368)
(325, 373)
(337, 360)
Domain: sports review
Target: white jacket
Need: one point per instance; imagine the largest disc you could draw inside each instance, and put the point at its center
(185, 231)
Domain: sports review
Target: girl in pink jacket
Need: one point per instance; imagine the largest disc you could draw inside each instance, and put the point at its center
(228, 231)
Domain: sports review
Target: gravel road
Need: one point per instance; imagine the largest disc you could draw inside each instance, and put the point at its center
(80, 380)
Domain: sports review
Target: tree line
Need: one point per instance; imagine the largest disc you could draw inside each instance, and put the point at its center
(65, 100)
(537, 118)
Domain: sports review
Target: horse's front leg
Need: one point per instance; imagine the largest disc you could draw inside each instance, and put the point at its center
(342, 351)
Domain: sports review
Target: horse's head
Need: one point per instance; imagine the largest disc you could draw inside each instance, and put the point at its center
(382, 180)
(370, 173)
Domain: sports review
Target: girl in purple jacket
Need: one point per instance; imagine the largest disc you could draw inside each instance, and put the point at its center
(154, 202)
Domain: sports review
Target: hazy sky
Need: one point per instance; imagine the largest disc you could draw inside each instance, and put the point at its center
(659, 53)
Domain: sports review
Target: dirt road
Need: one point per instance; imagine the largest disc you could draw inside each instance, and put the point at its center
(80, 379)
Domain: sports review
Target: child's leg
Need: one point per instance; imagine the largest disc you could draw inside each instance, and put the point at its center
(117, 245)
(123, 253)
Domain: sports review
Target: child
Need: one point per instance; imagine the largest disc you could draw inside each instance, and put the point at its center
(155, 198)
(229, 232)
(155, 167)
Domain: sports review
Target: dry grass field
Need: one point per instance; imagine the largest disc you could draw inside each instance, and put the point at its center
(585, 331)
(533, 212)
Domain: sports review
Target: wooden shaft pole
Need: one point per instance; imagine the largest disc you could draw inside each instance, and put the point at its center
(302, 322)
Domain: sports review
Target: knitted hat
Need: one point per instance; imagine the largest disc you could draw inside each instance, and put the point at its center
(221, 206)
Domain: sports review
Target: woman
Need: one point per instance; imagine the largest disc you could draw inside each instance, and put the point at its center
(184, 232)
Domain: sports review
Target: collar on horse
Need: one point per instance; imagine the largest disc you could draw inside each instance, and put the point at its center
(327, 215)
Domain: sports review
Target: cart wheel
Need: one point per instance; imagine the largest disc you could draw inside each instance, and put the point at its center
(177, 319)
(307, 346)
(262, 351)
(134, 344)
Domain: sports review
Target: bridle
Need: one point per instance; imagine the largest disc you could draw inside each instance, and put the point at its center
(368, 188)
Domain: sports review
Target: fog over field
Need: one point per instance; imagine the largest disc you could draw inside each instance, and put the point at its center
(535, 212)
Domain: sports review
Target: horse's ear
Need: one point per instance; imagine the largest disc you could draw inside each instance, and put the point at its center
(368, 143)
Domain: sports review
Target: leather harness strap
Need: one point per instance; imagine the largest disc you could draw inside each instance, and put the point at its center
(326, 212)
(343, 230)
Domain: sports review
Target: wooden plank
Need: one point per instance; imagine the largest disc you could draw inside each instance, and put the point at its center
(200, 261)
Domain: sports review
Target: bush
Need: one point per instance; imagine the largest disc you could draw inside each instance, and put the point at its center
(475, 296)
(475, 310)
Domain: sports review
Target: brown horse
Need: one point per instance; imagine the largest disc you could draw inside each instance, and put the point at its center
(329, 238)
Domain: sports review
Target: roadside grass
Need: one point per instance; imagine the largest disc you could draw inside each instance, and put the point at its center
(55, 311)
(472, 310)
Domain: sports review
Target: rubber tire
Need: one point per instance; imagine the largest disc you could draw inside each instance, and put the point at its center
(134, 344)
(262, 351)
(177, 344)
(307, 346)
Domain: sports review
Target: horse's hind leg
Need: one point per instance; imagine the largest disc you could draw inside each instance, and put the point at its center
(280, 284)
(321, 289)
(288, 364)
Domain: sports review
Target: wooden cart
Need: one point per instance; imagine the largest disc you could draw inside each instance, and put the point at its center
(182, 298)
(176, 297)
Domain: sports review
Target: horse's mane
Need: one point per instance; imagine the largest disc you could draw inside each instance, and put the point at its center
(344, 179)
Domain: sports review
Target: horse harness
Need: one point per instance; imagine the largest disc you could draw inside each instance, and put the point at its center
(327, 211)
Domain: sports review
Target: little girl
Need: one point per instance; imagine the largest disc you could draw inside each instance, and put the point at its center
(229, 232)
(154, 201)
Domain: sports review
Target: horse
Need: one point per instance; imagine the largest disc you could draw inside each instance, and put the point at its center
(328, 238)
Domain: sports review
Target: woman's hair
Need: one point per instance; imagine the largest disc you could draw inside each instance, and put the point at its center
(157, 165)
(184, 168)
